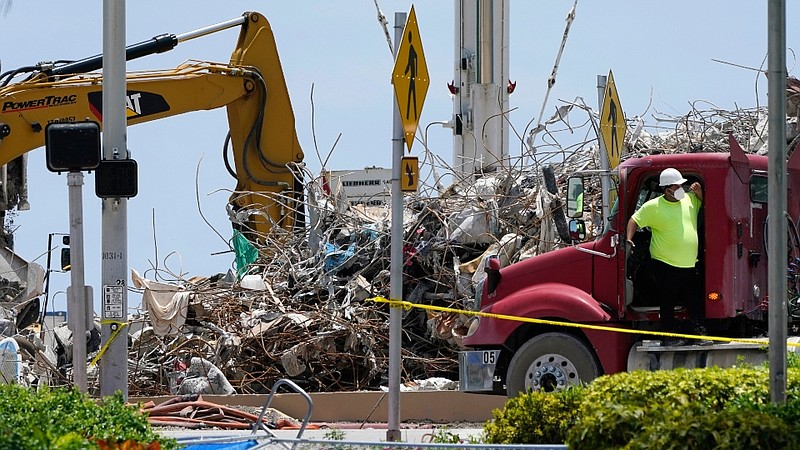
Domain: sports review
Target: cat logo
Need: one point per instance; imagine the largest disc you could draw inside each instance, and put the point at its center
(138, 104)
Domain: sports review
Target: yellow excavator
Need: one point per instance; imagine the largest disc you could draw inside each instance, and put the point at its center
(266, 153)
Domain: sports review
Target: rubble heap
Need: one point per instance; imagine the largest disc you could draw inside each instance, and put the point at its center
(301, 308)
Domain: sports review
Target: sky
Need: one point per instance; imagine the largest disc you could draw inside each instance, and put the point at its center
(664, 55)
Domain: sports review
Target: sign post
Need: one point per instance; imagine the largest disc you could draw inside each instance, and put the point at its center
(395, 264)
(410, 80)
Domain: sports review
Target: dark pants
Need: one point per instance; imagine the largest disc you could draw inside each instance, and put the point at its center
(677, 286)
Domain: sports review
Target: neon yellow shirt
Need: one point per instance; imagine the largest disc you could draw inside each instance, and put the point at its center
(674, 228)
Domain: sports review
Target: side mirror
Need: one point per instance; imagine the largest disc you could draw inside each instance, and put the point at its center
(575, 197)
(577, 230)
(492, 269)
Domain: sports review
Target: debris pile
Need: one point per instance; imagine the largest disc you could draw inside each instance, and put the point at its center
(192, 411)
(300, 308)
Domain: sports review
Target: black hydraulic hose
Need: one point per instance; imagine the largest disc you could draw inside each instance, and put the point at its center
(296, 194)
(258, 126)
(6, 77)
(225, 155)
(157, 44)
(255, 133)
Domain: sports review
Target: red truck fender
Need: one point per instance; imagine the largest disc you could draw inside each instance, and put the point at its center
(552, 301)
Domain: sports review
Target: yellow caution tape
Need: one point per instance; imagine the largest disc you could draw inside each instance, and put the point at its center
(408, 305)
(114, 334)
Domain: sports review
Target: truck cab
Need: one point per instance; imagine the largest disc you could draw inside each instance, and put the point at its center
(558, 298)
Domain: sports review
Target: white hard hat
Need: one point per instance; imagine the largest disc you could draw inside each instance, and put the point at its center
(670, 176)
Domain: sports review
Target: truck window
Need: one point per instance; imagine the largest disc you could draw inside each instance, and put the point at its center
(649, 190)
(758, 189)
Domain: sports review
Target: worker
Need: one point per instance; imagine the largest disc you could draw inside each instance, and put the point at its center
(672, 219)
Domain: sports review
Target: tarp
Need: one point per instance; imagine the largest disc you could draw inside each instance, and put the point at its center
(223, 446)
(166, 305)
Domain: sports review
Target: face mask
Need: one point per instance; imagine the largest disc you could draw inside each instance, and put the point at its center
(679, 194)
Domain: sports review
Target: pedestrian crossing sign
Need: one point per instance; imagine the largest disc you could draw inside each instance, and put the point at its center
(410, 78)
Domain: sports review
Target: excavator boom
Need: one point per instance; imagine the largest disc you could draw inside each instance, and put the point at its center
(266, 152)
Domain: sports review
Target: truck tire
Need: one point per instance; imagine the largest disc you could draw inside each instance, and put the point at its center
(550, 362)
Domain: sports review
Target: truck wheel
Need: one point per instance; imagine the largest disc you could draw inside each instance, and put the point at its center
(550, 362)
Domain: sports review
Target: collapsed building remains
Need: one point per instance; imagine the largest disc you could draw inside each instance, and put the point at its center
(301, 307)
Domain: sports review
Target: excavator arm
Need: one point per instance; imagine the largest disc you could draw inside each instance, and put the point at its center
(266, 152)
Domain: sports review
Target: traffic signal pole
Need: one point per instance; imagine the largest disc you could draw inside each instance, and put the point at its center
(114, 291)
(77, 300)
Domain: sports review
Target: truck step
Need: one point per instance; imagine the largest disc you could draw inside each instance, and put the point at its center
(651, 355)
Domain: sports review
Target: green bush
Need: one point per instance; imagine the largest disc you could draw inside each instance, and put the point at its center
(67, 419)
(610, 425)
(676, 409)
(789, 412)
(627, 408)
(534, 418)
(713, 386)
(695, 426)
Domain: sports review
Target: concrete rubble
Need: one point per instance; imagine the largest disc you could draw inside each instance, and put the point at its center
(302, 309)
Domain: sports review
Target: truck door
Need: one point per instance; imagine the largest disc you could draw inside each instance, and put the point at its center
(638, 279)
(641, 298)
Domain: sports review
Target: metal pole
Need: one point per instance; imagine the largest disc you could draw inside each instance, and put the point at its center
(114, 363)
(604, 164)
(776, 228)
(396, 260)
(76, 293)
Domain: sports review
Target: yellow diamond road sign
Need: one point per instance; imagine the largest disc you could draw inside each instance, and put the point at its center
(410, 78)
(612, 124)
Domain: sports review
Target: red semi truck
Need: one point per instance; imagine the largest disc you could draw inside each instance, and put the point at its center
(597, 283)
